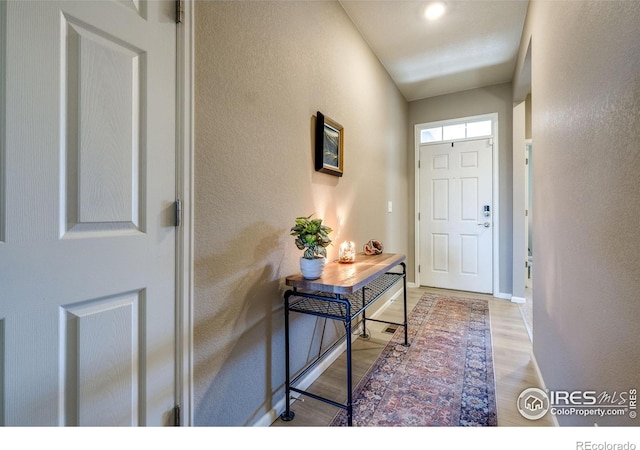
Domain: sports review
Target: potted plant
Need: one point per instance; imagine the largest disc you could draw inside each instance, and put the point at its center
(312, 237)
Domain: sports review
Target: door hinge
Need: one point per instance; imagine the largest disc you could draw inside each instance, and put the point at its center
(176, 416)
(178, 211)
(526, 213)
(418, 268)
(418, 164)
(418, 217)
(179, 10)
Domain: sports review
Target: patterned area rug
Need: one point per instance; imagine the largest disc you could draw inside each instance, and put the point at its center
(444, 378)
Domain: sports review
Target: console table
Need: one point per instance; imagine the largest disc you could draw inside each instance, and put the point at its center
(343, 293)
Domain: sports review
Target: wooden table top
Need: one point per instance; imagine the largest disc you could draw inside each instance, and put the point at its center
(340, 278)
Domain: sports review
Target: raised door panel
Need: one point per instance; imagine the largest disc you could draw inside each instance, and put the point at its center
(440, 257)
(440, 200)
(137, 6)
(468, 200)
(104, 86)
(469, 254)
(101, 341)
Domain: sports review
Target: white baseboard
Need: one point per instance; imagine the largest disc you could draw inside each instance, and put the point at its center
(543, 386)
(502, 295)
(518, 300)
(526, 325)
(270, 417)
(386, 304)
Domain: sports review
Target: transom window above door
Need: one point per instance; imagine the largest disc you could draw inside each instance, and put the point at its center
(454, 131)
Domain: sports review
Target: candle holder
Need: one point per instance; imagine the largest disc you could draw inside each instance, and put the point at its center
(347, 252)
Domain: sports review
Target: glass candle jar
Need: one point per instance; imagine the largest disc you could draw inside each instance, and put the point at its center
(347, 252)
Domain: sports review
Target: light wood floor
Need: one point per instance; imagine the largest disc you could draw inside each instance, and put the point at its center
(513, 365)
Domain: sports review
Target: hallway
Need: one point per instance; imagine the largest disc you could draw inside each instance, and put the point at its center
(513, 364)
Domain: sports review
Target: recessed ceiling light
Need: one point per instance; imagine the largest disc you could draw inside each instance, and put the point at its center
(434, 11)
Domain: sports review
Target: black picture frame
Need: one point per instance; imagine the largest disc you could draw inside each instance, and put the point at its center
(329, 151)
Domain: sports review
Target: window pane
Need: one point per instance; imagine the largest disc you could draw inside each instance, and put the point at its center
(453, 132)
(431, 135)
(476, 129)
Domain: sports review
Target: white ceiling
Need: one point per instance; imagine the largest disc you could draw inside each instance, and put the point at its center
(474, 44)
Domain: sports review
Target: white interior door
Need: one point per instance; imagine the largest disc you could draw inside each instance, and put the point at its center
(87, 243)
(456, 237)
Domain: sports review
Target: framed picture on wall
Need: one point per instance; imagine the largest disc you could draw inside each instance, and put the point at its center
(329, 146)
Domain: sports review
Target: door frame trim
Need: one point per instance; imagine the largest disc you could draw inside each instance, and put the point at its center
(495, 193)
(184, 190)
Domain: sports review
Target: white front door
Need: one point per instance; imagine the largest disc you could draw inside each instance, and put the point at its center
(456, 237)
(87, 242)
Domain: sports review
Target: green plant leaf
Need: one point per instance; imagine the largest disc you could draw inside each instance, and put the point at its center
(311, 236)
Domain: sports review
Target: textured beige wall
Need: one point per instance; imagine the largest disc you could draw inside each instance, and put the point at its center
(586, 139)
(263, 69)
(491, 99)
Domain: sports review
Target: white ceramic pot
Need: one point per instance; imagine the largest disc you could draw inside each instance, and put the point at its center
(312, 268)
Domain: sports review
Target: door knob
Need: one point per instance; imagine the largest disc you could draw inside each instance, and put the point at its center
(486, 224)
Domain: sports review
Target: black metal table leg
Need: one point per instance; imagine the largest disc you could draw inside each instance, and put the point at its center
(404, 290)
(349, 405)
(287, 415)
(364, 334)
